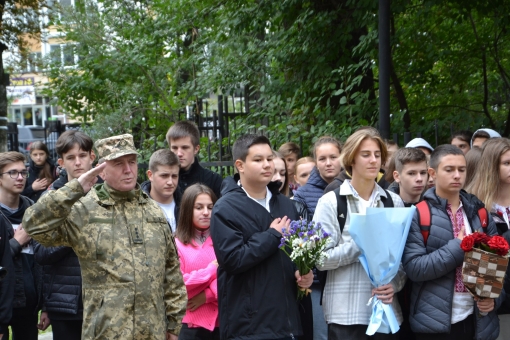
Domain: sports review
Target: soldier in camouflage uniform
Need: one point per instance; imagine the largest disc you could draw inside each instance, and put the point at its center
(130, 268)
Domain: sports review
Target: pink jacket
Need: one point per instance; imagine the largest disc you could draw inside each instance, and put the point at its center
(199, 275)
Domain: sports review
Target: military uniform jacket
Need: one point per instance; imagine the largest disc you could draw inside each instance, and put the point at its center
(132, 284)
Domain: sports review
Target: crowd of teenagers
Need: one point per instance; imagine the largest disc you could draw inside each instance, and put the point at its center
(190, 255)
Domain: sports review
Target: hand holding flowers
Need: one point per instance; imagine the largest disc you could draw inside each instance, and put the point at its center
(304, 242)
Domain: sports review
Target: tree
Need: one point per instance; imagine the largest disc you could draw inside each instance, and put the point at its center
(149, 61)
(20, 21)
(452, 64)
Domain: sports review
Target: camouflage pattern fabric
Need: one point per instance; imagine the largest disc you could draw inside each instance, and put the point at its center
(115, 147)
(130, 268)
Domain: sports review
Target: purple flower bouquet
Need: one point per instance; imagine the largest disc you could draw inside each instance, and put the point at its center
(304, 242)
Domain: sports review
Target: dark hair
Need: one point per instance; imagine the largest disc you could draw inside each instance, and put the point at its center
(9, 157)
(70, 138)
(285, 190)
(463, 135)
(46, 168)
(326, 140)
(408, 155)
(183, 129)
(243, 144)
(162, 157)
(441, 151)
(390, 142)
(185, 228)
(481, 134)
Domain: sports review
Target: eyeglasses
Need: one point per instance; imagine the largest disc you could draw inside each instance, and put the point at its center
(15, 173)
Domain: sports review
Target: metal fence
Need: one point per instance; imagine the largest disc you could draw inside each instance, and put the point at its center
(19, 138)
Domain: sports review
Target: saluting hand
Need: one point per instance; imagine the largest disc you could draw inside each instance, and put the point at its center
(88, 179)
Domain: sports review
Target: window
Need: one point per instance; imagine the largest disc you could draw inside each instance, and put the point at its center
(56, 54)
(33, 62)
(68, 55)
(63, 54)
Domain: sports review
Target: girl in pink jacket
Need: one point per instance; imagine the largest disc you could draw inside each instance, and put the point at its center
(198, 264)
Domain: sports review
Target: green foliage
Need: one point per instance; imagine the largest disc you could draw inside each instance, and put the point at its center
(308, 66)
(440, 51)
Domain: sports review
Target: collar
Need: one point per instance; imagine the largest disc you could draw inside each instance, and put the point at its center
(193, 168)
(108, 196)
(269, 195)
(346, 189)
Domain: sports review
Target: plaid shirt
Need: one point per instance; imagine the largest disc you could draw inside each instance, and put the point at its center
(348, 287)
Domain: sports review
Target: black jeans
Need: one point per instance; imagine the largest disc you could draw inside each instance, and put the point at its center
(66, 329)
(462, 330)
(198, 333)
(24, 327)
(355, 332)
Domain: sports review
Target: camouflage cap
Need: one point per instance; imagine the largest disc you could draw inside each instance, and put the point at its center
(115, 147)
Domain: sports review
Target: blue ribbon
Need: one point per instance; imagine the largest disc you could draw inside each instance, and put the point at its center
(383, 319)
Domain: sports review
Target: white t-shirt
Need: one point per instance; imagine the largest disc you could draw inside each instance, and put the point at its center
(27, 248)
(169, 210)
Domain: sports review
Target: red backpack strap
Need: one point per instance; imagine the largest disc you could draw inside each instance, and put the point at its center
(425, 219)
(483, 215)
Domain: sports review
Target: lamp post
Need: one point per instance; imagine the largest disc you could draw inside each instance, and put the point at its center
(384, 68)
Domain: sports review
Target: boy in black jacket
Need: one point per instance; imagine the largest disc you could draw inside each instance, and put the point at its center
(27, 291)
(256, 281)
(63, 305)
(184, 140)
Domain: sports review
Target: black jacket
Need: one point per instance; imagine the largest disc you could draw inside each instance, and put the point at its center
(60, 181)
(33, 174)
(62, 274)
(197, 174)
(146, 187)
(62, 281)
(28, 274)
(256, 280)
(8, 282)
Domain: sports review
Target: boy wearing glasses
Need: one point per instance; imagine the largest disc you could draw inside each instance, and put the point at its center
(25, 302)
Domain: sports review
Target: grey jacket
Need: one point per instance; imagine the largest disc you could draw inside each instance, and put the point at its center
(431, 268)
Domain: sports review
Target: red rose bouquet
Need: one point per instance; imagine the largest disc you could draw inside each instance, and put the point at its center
(492, 244)
(485, 263)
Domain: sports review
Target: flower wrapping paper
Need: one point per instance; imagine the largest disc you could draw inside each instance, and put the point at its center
(483, 273)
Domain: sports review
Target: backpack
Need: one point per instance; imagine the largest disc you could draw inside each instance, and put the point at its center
(341, 211)
(425, 218)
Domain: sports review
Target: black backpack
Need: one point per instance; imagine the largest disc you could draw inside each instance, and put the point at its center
(341, 211)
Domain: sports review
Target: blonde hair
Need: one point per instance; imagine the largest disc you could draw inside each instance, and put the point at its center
(485, 184)
(288, 148)
(353, 143)
(303, 160)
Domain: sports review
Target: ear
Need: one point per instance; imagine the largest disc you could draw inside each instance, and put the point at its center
(60, 162)
(92, 156)
(432, 173)
(239, 165)
(396, 176)
(197, 149)
(149, 175)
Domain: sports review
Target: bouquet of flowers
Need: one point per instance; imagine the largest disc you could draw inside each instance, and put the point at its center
(304, 242)
(485, 264)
